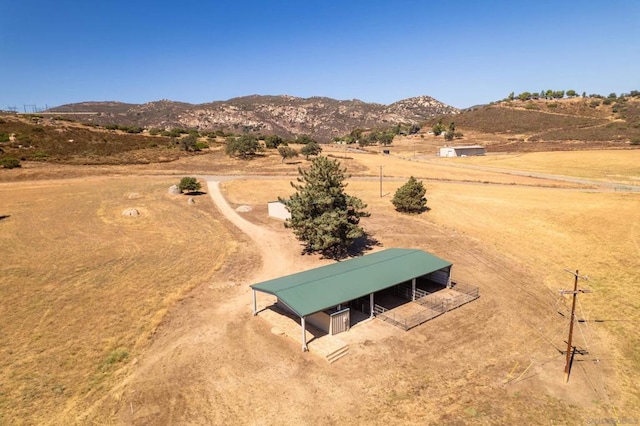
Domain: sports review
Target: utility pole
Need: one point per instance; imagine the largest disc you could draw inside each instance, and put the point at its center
(570, 349)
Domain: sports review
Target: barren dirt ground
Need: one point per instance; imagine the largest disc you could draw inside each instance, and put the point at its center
(487, 362)
(496, 360)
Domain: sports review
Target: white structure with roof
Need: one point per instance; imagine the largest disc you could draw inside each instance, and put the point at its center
(462, 151)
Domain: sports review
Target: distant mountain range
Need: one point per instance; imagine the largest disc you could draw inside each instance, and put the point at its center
(287, 116)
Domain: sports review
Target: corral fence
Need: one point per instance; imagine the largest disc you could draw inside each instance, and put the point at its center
(433, 305)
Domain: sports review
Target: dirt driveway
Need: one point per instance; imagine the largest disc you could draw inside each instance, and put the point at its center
(212, 362)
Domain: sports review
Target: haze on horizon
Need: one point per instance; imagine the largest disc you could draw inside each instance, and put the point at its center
(461, 53)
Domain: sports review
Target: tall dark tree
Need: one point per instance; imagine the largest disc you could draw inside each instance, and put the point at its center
(323, 216)
(409, 198)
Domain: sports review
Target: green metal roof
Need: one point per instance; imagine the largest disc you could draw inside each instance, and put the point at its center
(322, 288)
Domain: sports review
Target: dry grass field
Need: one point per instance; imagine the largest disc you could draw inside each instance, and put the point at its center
(83, 288)
(78, 298)
(605, 165)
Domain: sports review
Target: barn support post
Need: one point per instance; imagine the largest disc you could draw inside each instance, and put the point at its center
(255, 308)
(371, 304)
(413, 289)
(304, 334)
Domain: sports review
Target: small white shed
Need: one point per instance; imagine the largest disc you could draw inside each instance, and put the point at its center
(460, 151)
(278, 210)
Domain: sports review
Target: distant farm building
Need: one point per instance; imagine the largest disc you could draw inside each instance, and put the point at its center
(405, 287)
(462, 151)
(278, 210)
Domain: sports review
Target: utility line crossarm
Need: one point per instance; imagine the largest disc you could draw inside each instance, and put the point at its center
(574, 292)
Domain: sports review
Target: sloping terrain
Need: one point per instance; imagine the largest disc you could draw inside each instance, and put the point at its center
(46, 139)
(287, 116)
(549, 125)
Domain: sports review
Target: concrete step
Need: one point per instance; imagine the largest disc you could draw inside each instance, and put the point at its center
(337, 354)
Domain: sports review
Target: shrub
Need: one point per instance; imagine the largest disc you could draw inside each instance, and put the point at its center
(9, 162)
(189, 184)
(635, 141)
(201, 146)
(4, 137)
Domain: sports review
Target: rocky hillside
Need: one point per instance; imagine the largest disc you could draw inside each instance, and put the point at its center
(287, 116)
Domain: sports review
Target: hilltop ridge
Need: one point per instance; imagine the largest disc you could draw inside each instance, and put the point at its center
(288, 116)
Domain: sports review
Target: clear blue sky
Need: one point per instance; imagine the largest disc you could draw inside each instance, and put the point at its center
(460, 52)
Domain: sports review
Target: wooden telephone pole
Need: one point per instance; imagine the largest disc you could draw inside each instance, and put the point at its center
(570, 349)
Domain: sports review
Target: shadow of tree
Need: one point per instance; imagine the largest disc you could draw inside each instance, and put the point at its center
(195, 193)
(5, 216)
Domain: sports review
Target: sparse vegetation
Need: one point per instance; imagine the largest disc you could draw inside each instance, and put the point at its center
(9, 162)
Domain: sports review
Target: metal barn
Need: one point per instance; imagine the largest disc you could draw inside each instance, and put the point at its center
(325, 297)
(462, 151)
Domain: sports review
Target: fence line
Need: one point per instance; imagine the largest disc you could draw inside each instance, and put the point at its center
(434, 306)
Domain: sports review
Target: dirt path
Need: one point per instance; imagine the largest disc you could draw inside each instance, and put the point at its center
(280, 252)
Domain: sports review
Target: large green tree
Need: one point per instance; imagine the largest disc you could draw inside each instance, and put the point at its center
(409, 198)
(312, 148)
(323, 216)
(243, 146)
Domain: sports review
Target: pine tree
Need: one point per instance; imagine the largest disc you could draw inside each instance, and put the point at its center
(323, 216)
(409, 198)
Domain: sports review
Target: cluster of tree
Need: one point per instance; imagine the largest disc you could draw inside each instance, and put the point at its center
(560, 94)
(127, 129)
(381, 136)
(449, 133)
(243, 146)
(190, 143)
(248, 145)
(326, 219)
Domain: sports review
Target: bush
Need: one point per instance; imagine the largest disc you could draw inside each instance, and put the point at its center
(635, 141)
(9, 163)
(409, 198)
(201, 145)
(4, 137)
(189, 184)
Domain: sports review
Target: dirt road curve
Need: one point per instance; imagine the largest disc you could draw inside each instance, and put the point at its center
(280, 253)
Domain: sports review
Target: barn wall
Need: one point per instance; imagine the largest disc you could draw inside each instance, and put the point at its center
(441, 276)
(321, 320)
(447, 152)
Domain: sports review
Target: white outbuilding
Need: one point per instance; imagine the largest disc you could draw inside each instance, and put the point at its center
(278, 210)
(462, 151)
